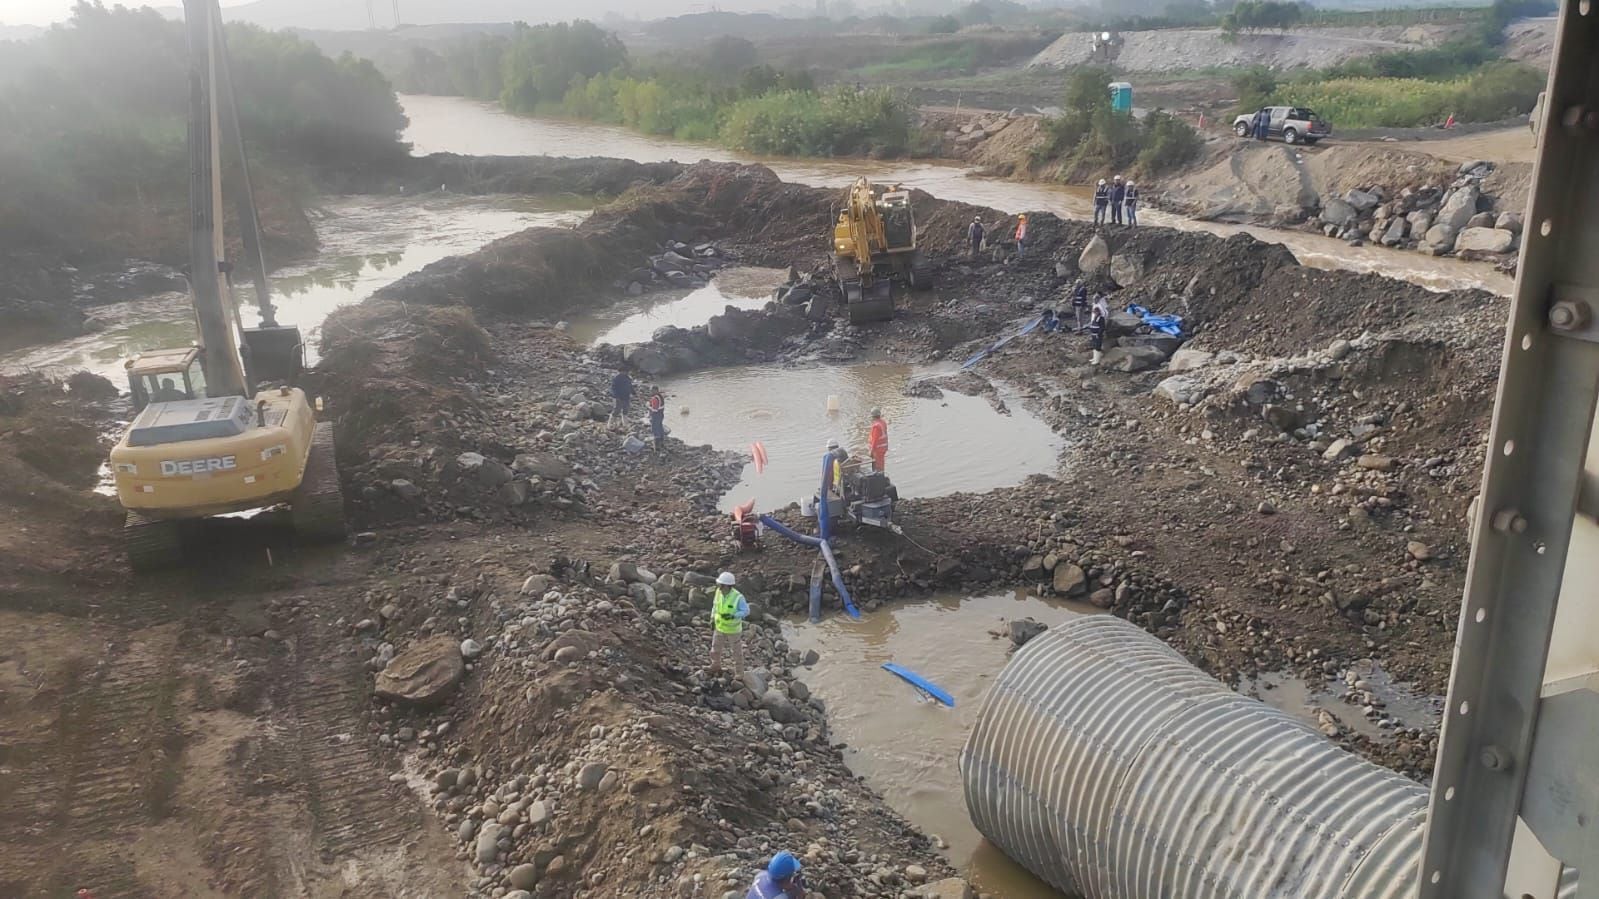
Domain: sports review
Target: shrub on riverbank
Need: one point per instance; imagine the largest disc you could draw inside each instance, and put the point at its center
(1496, 91)
(1091, 139)
(841, 122)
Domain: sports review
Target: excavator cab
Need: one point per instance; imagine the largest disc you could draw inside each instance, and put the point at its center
(165, 376)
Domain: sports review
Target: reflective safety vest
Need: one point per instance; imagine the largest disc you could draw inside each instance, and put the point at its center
(725, 612)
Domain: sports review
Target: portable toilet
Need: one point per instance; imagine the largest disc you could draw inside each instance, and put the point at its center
(1121, 97)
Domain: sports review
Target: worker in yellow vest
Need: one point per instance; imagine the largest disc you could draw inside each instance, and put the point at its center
(727, 621)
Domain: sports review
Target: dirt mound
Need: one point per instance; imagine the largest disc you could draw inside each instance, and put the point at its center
(393, 373)
(547, 175)
(51, 448)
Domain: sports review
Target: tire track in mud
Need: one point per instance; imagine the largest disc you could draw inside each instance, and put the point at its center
(106, 766)
(345, 778)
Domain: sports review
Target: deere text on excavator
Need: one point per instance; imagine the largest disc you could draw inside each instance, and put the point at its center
(875, 246)
(204, 441)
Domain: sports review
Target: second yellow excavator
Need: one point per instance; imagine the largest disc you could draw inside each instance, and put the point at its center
(875, 246)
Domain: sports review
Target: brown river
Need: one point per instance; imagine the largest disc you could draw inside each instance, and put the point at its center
(907, 750)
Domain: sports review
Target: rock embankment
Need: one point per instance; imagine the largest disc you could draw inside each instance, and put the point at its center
(1190, 49)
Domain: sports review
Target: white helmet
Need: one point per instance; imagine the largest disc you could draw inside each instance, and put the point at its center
(1131, 184)
(726, 579)
(832, 443)
(1102, 182)
(1118, 177)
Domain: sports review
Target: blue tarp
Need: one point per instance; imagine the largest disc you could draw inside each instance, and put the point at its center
(984, 354)
(1166, 324)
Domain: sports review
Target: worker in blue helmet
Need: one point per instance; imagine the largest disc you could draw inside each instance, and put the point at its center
(780, 880)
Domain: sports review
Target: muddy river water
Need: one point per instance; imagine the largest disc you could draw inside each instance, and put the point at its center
(906, 749)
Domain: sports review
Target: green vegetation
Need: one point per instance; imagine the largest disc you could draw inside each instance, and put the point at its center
(1464, 78)
(1262, 15)
(1091, 138)
(1495, 91)
(721, 93)
(95, 112)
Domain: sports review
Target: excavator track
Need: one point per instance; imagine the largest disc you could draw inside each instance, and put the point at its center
(317, 510)
(151, 544)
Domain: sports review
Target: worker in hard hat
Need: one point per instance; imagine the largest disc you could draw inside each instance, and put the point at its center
(835, 457)
(1021, 234)
(728, 611)
(974, 236)
(1101, 201)
(780, 880)
(877, 441)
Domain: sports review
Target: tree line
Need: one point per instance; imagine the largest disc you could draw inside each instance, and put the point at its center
(96, 114)
(721, 92)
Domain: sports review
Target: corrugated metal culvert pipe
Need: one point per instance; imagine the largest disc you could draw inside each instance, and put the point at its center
(1111, 768)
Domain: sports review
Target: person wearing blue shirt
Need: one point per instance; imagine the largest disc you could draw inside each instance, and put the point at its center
(780, 880)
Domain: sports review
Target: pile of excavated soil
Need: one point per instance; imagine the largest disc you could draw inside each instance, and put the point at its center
(51, 448)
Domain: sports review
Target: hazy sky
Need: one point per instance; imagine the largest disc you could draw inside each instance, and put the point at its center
(43, 12)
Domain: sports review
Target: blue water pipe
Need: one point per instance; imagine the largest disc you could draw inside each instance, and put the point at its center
(832, 564)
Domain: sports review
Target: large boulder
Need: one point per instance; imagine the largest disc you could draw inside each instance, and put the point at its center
(1362, 201)
(1481, 220)
(953, 888)
(1459, 208)
(1129, 268)
(1133, 358)
(1395, 233)
(1182, 389)
(1166, 343)
(1122, 322)
(1338, 213)
(541, 465)
(1509, 221)
(647, 359)
(1070, 580)
(1485, 240)
(1420, 221)
(733, 324)
(424, 673)
(1187, 359)
(1095, 256)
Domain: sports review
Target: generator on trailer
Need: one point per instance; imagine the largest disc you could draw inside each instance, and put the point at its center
(205, 442)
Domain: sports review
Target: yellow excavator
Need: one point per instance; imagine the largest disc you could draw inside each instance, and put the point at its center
(205, 441)
(875, 246)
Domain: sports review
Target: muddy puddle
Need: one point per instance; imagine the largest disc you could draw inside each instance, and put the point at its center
(936, 446)
(453, 124)
(637, 319)
(367, 243)
(906, 748)
(1393, 704)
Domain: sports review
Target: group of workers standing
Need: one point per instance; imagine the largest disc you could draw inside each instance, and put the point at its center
(977, 233)
(1098, 315)
(1119, 199)
(622, 390)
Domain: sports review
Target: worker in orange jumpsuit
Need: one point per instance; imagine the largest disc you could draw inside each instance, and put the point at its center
(877, 441)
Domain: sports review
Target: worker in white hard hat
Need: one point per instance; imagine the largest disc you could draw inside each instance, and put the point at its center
(728, 612)
(1101, 201)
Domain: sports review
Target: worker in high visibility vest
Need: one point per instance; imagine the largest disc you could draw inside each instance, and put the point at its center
(728, 611)
(877, 441)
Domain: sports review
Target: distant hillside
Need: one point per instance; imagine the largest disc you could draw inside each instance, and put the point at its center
(352, 15)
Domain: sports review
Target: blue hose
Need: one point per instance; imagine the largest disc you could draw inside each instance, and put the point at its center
(832, 564)
(824, 523)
